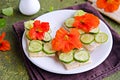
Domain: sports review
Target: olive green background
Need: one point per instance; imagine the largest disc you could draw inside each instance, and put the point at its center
(11, 62)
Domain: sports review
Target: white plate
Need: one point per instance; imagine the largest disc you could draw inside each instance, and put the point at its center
(56, 19)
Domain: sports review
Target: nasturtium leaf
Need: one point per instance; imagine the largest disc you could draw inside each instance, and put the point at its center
(51, 8)
(8, 11)
(2, 22)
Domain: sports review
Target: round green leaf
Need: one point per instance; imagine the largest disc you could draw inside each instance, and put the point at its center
(2, 22)
(8, 11)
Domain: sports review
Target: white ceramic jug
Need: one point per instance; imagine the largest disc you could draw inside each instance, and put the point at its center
(29, 7)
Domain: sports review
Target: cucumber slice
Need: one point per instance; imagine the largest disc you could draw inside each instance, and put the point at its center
(69, 22)
(66, 57)
(81, 56)
(79, 13)
(47, 48)
(27, 35)
(101, 37)
(28, 24)
(95, 30)
(35, 46)
(81, 31)
(87, 38)
(47, 37)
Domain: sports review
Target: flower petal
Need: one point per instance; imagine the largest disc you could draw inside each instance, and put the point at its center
(44, 26)
(36, 23)
(108, 5)
(32, 33)
(111, 7)
(101, 4)
(66, 41)
(5, 45)
(40, 35)
(2, 36)
(86, 22)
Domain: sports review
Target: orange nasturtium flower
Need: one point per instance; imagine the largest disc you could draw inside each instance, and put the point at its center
(66, 41)
(38, 30)
(108, 5)
(4, 44)
(86, 22)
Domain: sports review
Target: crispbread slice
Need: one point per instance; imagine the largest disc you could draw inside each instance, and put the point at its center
(39, 54)
(114, 15)
(91, 46)
(73, 64)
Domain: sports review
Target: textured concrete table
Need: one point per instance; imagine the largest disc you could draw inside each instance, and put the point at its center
(11, 63)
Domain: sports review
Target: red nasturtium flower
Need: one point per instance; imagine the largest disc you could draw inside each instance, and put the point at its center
(65, 41)
(38, 30)
(4, 44)
(108, 5)
(86, 22)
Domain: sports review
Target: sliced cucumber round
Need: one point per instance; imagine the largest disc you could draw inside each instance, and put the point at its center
(47, 37)
(87, 38)
(27, 34)
(95, 30)
(47, 48)
(66, 57)
(81, 56)
(69, 22)
(79, 13)
(35, 46)
(101, 37)
(81, 31)
(28, 24)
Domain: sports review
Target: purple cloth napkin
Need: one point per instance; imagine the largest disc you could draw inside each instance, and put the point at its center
(108, 67)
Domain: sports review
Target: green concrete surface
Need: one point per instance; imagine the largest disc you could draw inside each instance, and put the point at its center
(11, 62)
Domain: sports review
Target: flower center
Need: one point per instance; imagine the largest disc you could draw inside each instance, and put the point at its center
(109, 1)
(0, 44)
(82, 22)
(39, 30)
(66, 37)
